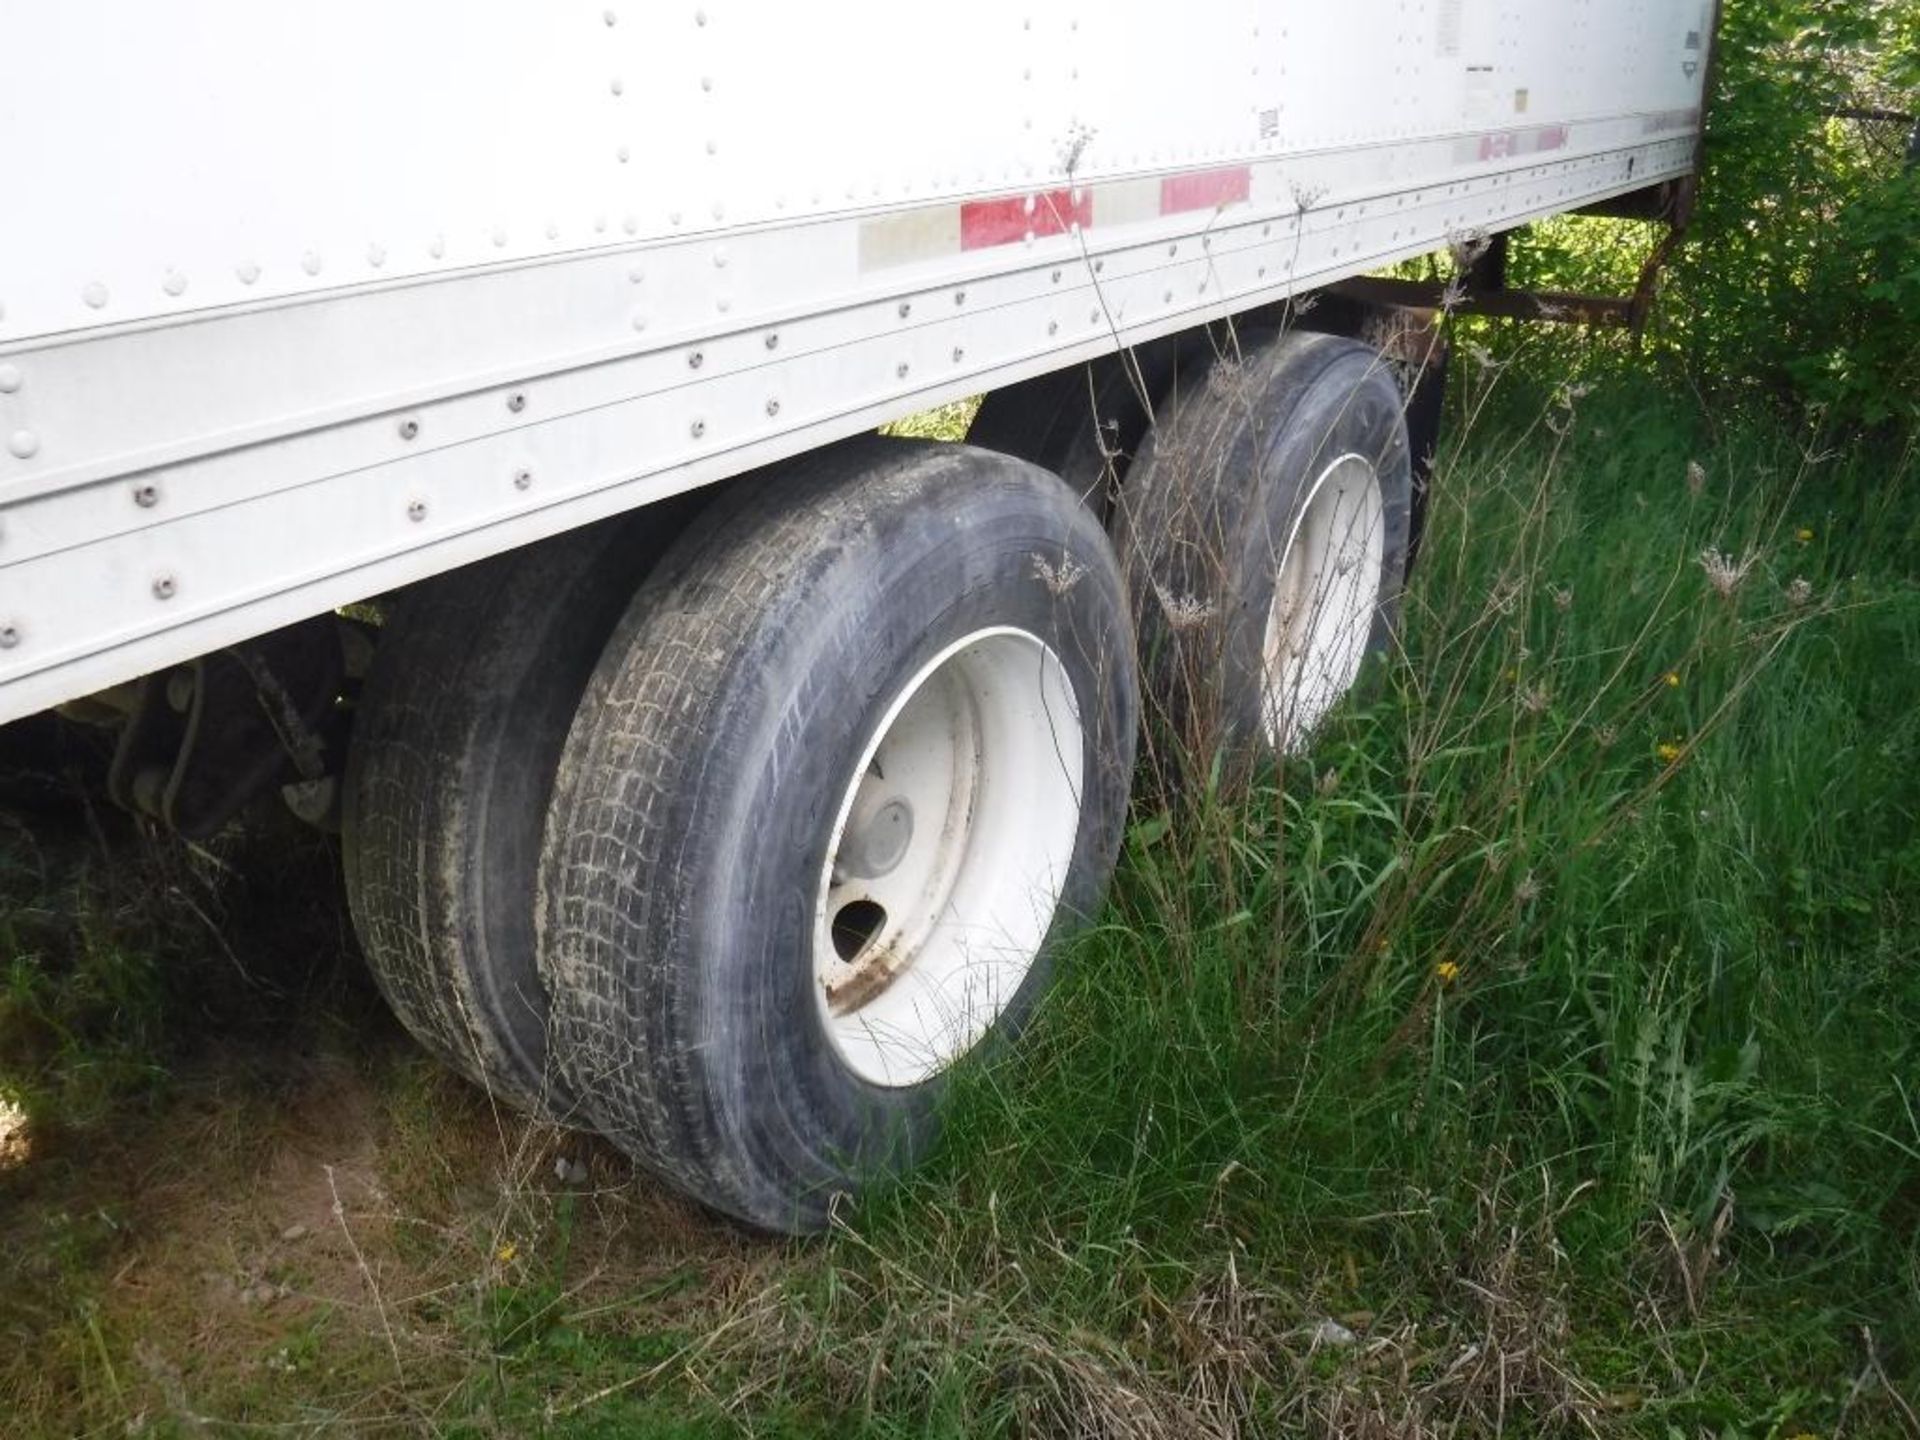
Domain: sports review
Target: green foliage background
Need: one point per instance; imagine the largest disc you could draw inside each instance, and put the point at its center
(1799, 279)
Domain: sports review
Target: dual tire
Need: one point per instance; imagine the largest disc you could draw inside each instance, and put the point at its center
(735, 862)
(1264, 527)
(458, 735)
(1259, 490)
(842, 771)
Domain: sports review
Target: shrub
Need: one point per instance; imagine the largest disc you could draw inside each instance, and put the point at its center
(1799, 279)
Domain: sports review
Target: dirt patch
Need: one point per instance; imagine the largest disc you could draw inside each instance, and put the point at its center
(232, 1189)
(320, 1232)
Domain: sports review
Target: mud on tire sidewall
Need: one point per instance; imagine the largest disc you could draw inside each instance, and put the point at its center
(715, 973)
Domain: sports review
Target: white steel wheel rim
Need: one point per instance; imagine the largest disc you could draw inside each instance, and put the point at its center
(1326, 590)
(948, 856)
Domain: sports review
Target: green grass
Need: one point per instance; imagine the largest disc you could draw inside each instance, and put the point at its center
(1563, 1012)
(1543, 1055)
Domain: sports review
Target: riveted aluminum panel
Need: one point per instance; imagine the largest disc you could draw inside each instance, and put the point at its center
(298, 305)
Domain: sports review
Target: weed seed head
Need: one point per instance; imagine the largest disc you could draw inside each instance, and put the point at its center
(1725, 573)
(1305, 197)
(1224, 376)
(1058, 580)
(1074, 147)
(1467, 246)
(1183, 612)
(1696, 477)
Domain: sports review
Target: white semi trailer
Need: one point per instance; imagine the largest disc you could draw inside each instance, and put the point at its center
(714, 773)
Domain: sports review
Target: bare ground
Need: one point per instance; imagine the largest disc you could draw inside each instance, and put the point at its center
(240, 1192)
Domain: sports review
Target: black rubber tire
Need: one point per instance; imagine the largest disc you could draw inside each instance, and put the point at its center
(474, 684)
(1206, 508)
(1085, 423)
(696, 796)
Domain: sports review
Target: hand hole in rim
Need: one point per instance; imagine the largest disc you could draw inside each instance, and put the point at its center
(854, 926)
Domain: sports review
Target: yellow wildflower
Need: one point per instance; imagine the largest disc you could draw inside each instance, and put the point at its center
(1673, 679)
(1447, 971)
(506, 1253)
(1804, 535)
(1668, 752)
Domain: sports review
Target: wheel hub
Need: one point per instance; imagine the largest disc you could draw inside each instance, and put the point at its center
(879, 845)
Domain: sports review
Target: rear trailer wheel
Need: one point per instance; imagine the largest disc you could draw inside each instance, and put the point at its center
(458, 733)
(1264, 532)
(856, 757)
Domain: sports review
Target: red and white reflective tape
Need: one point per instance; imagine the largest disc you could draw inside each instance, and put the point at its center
(1506, 144)
(915, 235)
(912, 236)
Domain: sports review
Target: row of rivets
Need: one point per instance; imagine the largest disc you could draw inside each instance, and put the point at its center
(22, 444)
(96, 294)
